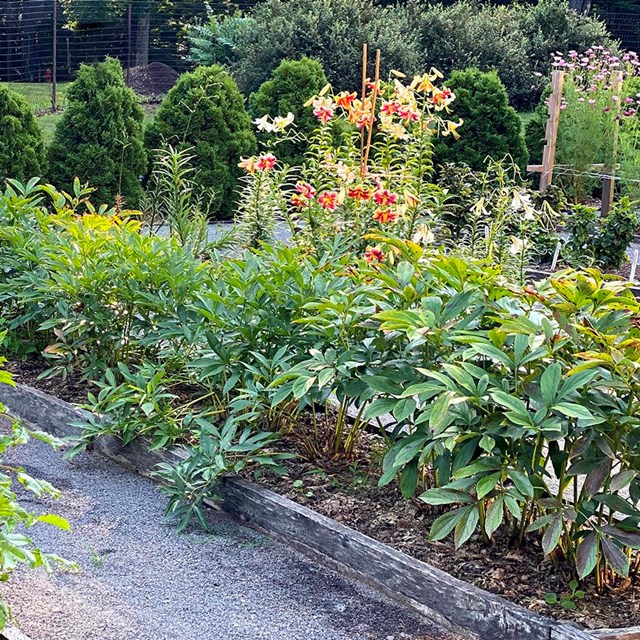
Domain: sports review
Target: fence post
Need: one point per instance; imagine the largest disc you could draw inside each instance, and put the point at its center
(129, 22)
(54, 70)
(551, 137)
(609, 180)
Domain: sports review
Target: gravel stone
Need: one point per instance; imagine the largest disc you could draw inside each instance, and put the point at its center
(140, 580)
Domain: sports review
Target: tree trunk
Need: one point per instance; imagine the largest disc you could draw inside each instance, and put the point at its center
(581, 6)
(142, 39)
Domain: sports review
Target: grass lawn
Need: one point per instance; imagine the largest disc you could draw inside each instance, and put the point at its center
(38, 93)
(526, 117)
(39, 96)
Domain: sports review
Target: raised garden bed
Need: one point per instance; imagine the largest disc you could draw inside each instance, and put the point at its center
(446, 599)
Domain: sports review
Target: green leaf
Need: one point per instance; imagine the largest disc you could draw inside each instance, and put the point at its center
(617, 504)
(615, 557)
(549, 383)
(552, 534)
(521, 482)
(380, 407)
(495, 516)
(587, 555)
(439, 411)
(445, 496)
(487, 484)
(445, 524)
(403, 409)
(55, 520)
(466, 526)
(409, 479)
(572, 410)
(551, 598)
(510, 402)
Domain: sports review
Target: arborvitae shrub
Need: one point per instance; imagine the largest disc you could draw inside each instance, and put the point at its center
(491, 127)
(292, 83)
(21, 145)
(206, 111)
(100, 137)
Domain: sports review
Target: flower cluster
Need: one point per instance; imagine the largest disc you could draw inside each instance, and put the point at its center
(355, 182)
(261, 163)
(594, 75)
(396, 106)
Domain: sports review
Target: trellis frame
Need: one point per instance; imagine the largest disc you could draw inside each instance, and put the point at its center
(548, 165)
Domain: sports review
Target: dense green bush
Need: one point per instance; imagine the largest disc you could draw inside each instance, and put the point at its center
(491, 127)
(206, 112)
(330, 32)
(513, 40)
(21, 145)
(99, 138)
(287, 91)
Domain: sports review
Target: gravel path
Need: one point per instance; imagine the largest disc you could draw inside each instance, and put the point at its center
(142, 581)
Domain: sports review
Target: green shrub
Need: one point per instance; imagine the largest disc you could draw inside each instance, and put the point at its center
(21, 145)
(287, 91)
(330, 32)
(100, 136)
(491, 127)
(601, 240)
(206, 112)
(514, 41)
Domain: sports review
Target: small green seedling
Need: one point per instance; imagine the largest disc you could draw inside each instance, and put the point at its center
(566, 600)
(298, 485)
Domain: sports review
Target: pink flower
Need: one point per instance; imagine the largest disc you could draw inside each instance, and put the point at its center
(305, 189)
(384, 197)
(328, 200)
(385, 215)
(375, 254)
(265, 162)
(323, 109)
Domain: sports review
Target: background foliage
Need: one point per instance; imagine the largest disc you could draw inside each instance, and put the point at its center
(100, 136)
(206, 113)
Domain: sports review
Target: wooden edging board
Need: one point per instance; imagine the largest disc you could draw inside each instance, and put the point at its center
(458, 605)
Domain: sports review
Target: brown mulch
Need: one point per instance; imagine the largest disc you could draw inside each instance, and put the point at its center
(72, 389)
(347, 491)
(155, 79)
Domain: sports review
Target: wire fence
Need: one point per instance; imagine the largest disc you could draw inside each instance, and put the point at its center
(46, 41)
(624, 27)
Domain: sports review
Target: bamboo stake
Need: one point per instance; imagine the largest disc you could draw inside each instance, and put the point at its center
(374, 98)
(363, 95)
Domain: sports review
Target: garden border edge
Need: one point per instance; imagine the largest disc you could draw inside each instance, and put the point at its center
(454, 603)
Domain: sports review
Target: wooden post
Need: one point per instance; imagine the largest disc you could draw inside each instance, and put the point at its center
(54, 70)
(549, 155)
(609, 180)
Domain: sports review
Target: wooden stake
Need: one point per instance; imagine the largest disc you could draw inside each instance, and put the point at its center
(374, 97)
(363, 95)
(609, 180)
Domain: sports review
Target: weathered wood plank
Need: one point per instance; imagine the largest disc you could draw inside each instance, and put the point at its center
(11, 633)
(629, 633)
(453, 602)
